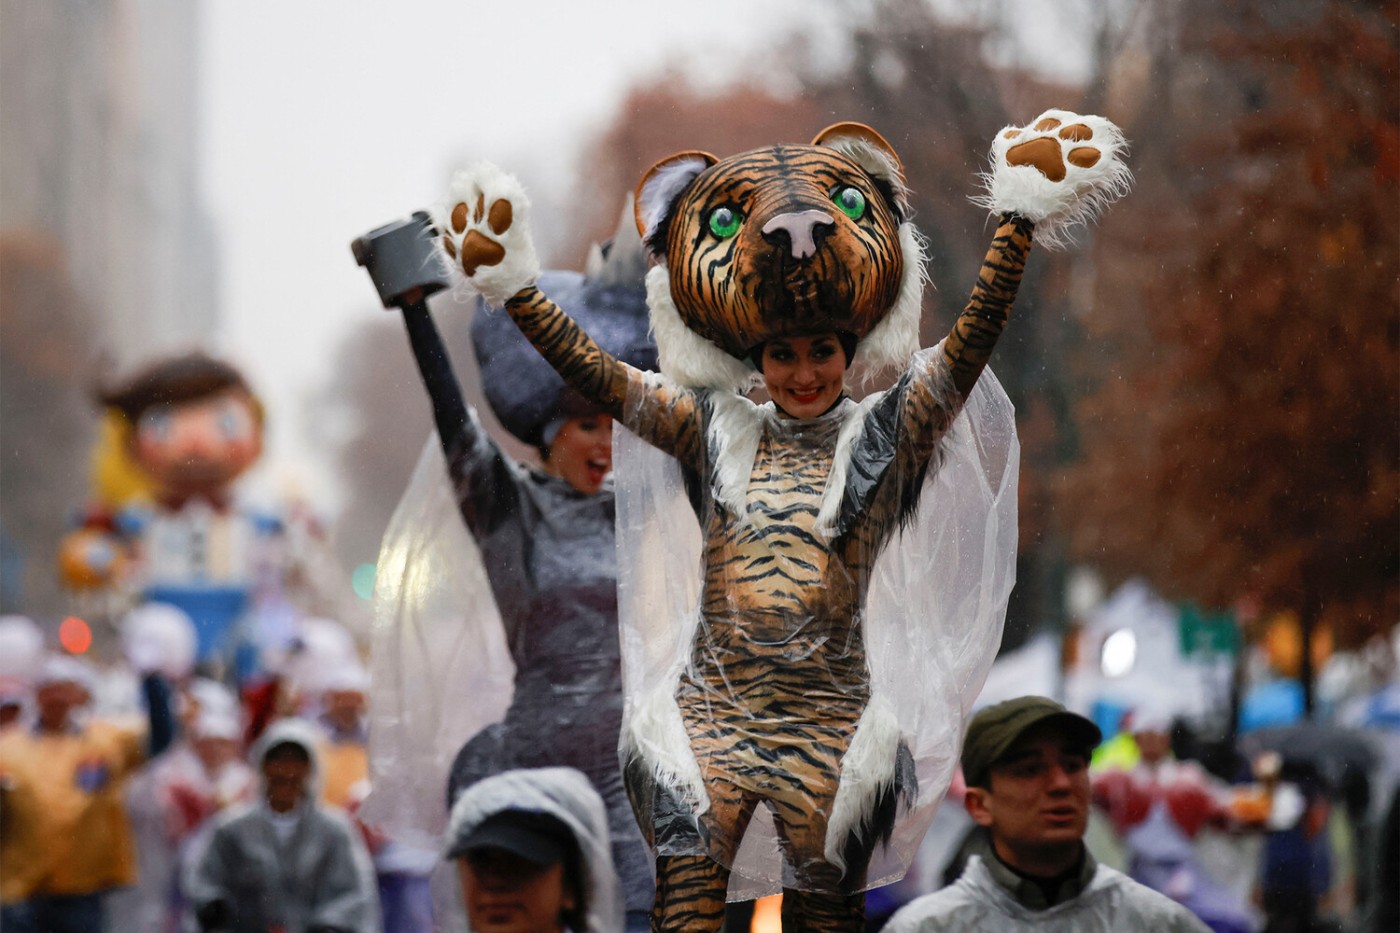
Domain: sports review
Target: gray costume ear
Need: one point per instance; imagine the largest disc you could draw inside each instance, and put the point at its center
(658, 190)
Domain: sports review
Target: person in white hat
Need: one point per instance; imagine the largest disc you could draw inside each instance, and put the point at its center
(345, 749)
(1160, 808)
(21, 653)
(173, 802)
(403, 871)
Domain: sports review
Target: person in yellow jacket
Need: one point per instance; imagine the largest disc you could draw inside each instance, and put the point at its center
(344, 750)
(401, 870)
(64, 836)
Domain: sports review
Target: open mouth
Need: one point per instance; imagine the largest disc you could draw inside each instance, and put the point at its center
(598, 470)
(805, 396)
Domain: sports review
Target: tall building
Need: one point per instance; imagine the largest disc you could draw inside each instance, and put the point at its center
(106, 253)
(99, 137)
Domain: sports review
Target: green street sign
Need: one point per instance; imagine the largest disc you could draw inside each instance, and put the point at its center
(1207, 633)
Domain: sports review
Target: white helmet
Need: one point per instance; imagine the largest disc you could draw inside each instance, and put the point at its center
(21, 649)
(161, 638)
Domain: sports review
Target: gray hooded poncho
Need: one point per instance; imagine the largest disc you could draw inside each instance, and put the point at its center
(317, 874)
(566, 795)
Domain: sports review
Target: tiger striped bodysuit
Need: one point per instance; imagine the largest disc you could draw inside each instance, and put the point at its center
(777, 678)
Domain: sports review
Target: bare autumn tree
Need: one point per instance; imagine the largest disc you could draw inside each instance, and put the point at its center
(1246, 441)
(665, 116)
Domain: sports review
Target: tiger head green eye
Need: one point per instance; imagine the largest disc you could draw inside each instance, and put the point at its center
(850, 201)
(724, 222)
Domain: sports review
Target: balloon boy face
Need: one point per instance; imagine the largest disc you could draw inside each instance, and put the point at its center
(194, 425)
(199, 447)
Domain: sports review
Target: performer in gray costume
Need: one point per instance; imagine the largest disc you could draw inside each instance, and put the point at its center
(546, 540)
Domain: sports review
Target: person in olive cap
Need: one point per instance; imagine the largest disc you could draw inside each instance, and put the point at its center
(1026, 765)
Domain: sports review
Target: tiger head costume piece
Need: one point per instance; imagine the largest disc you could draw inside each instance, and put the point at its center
(782, 241)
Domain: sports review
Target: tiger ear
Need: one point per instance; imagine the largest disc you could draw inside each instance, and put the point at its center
(873, 153)
(661, 186)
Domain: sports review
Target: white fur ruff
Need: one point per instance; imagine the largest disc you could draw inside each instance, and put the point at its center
(735, 429)
(684, 356)
(521, 266)
(1056, 207)
(894, 341)
(867, 771)
(656, 733)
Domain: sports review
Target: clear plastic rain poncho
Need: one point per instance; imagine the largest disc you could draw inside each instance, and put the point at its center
(902, 671)
(809, 607)
(566, 795)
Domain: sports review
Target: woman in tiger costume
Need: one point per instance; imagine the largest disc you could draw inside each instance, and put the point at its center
(786, 262)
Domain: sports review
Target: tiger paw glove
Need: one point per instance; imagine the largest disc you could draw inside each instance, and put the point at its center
(1060, 170)
(485, 232)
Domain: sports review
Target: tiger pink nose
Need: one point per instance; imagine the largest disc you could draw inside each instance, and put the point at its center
(800, 228)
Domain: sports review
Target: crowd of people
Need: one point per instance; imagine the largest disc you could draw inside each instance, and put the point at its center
(162, 821)
(788, 721)
(137, 795)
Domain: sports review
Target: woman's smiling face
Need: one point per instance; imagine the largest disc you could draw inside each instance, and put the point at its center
(804, 375)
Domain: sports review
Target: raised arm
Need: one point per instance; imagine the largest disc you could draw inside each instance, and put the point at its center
(661, 414)
(923, 404)
(586, 367)
(969, 345)
(1059, 171)
(486, 237)
(482, 477)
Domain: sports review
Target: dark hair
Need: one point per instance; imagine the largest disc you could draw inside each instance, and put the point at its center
(174, 381)
(847, 340)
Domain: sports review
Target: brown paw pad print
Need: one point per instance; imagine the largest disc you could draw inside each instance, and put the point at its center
(1046, 152)
(477, 248)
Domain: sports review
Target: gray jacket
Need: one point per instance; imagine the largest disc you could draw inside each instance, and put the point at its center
(319, 875)
(1111, 902)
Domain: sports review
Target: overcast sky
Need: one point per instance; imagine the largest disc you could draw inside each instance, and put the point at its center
(326, 118)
